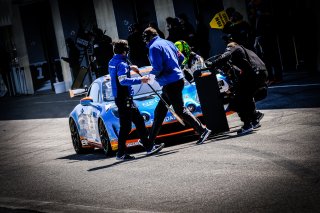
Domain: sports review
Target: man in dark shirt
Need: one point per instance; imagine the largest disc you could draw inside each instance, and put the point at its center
(102, 51)
(252, 76)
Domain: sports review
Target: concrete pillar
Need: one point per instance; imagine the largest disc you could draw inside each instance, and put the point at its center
(22, 53)
(6, 13)
(239, 5)
(317, 28)
(164, 9)
(106, 18)
(62, 49)
(318, 49)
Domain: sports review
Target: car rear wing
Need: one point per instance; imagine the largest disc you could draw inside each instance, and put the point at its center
(77, 92)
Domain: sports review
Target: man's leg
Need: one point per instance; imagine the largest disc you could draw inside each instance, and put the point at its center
(159, 115)
(247, 109)
(125, 127)
(149, 145)
(174, 92)
(138, 121)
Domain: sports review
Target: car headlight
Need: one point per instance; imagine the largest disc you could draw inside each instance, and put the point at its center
(191, 107)
(145, 116)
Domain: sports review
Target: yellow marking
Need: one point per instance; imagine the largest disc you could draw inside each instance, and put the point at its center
(219, 20)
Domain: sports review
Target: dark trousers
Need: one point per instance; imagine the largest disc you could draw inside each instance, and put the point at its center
(243, 101)
(244, 104)
(128, 113)
(172, 94)
(266, 48)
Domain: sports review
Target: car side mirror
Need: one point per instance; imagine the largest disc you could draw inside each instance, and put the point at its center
(86, 101)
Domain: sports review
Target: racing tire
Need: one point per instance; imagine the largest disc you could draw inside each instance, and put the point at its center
(104, 138)
(76, 139)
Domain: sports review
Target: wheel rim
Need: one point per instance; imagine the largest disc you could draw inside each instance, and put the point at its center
(103, 137)
(75, 136)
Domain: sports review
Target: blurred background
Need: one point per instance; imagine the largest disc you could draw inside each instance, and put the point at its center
(53, 45)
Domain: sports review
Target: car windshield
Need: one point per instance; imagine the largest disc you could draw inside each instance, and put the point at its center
(139, 89)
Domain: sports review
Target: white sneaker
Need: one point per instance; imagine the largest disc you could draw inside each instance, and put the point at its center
(204, 136)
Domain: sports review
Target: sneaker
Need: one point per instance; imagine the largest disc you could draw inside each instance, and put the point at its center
(247, 128)
(155, 149)
(204, 136)
(125, 157)
(256, 123)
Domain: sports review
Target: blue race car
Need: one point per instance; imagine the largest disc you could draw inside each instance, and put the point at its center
(94, 123)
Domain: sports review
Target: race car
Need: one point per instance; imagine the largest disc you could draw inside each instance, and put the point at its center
(94, 123)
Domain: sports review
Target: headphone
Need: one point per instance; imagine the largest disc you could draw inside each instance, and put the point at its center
(148, 34)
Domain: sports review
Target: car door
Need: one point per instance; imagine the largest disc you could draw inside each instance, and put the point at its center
(93, 111)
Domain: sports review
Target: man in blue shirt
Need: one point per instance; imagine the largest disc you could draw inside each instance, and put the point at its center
(122, 91)
(166, 59)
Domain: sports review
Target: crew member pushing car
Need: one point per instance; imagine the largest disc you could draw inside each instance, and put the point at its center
(252, 77)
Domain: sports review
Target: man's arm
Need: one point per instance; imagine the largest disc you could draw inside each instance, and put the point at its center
(223, 58)
(156, 61)
(122, 71)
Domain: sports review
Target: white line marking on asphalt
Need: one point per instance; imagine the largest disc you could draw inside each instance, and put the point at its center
(294, 85)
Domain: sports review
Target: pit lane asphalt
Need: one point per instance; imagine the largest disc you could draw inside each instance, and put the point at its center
(275, 169)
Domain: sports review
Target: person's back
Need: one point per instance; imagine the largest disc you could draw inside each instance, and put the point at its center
(163, 56)
(243, 58)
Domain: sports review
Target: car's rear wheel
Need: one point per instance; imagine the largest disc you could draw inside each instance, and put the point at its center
(105, 141)
(76, 139)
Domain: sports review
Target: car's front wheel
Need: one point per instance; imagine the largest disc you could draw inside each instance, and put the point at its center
(105, 141)
(76, 139)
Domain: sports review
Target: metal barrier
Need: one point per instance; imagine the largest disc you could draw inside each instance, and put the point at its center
(3, 88)
(18, 81)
